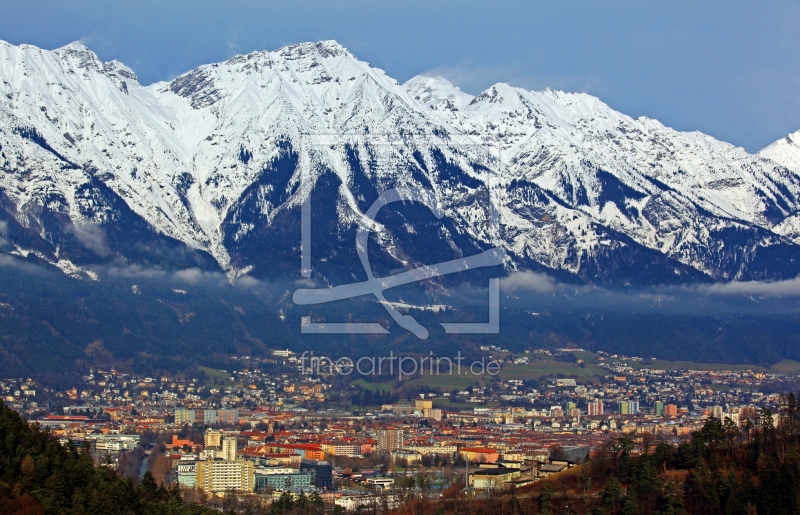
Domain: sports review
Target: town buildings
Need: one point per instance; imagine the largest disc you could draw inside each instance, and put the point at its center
(283, 431)
(389, 440)
(220, 476)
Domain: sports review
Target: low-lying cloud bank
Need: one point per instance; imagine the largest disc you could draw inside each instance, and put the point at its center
(187, 276)
(528, 281)
(525, 289)
(535, 282)
(191, 276)
(785, 288)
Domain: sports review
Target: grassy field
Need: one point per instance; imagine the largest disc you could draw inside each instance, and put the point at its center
(550, 367)
(787, 366)
(375, 387)
(450, 382)
(213, 373)
(535, 370)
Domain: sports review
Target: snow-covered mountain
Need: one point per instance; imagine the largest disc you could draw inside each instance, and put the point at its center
(205, 171)
(785, 151)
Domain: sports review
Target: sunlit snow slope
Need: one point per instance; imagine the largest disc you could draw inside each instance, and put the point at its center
(206, 171)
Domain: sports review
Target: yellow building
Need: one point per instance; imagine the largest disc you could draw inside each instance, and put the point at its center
(492, 479)
(422, 404)
(212, 438)
(218, 476)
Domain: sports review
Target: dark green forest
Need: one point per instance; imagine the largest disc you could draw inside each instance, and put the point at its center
(40, 476)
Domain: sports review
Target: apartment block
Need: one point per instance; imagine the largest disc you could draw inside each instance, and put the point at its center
(216, 476)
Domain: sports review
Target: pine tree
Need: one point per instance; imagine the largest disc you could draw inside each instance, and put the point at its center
(612, 496)
(546, 499)
(631, 505)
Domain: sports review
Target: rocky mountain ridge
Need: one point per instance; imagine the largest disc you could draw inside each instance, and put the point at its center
(207, 171)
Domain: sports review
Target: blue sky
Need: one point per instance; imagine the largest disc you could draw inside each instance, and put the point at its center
(730, 69)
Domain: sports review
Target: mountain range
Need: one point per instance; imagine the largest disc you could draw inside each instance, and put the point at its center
(206, 171)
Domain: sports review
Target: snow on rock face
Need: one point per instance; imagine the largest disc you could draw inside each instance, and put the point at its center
(437, 92)
(210, 160)
(589, 155)
(785, 151)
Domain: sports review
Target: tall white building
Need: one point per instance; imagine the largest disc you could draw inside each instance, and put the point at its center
(228, 448)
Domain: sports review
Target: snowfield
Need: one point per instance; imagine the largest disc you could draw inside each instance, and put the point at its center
(210, 160)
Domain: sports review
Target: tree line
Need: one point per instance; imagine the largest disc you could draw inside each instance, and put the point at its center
(38, 475)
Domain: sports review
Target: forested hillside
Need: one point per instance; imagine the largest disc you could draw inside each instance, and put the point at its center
(40, 476)
(53, 327)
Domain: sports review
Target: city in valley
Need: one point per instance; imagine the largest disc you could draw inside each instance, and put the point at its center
(264, 428)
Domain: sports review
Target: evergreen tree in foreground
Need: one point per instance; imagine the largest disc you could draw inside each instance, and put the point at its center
(40, 476)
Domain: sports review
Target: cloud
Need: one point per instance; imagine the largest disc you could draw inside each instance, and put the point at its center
(3, 228)
(306, 282)
(787, 288)
(92, 237)
(189, 275)
(7, 261)
(193, 276)
(197, 276)
(474, 78)
(246, 281)
(528, 281)
(134, 272)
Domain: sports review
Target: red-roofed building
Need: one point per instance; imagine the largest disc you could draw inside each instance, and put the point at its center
(479, 454)
(178, 443)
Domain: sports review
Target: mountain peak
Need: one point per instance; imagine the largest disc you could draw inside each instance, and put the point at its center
(494, 94)
(785, 151)
(327, 48)
(331, 48)
(83, 57)
(79, 54)
(75, 46)
(431, 91)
